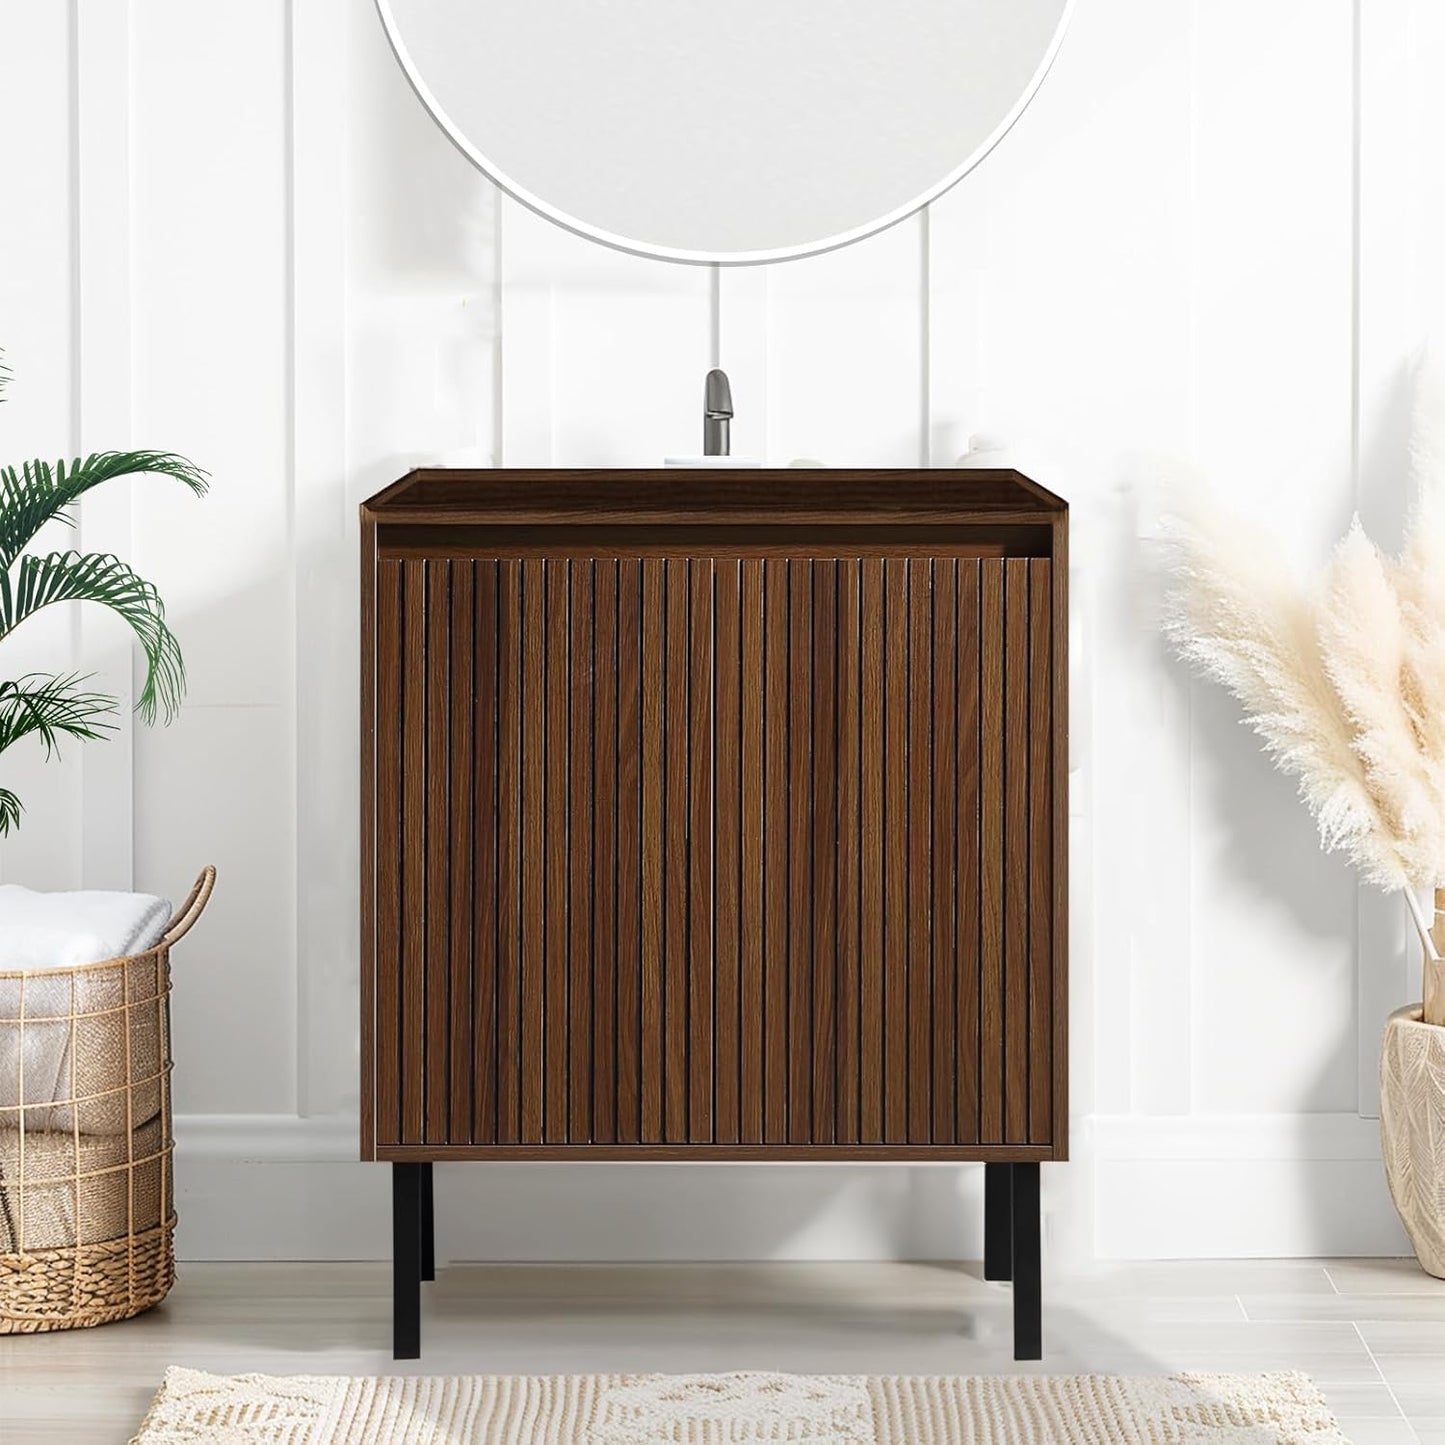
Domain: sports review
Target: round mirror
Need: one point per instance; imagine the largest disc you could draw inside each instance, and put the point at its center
(733, 131)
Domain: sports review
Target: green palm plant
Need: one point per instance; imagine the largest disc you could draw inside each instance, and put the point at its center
(56, 706)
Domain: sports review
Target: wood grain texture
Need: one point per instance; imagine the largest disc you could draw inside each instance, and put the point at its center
(1016, 851)
(386, 924)
(727, 859)
(752, 767)
(436, 810)
(532, 1058)
(748, 855)
(772, 863)
(967, 875)
(1040, 847)
(581, 924)
(894, 1070)
(471, 855)
(872, 958)
(507, 767)
(1059, 838)
(700, 842)
(607, 816)
(991, 855)
(943, 852)
(370, 904)
(412, 738)
(823, 851)
(652, 781)
(629, 850)
(917, 688)
(554, 903)
(848, 902)
(799, 853)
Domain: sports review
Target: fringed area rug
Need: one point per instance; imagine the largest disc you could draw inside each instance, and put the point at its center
(744, 1409)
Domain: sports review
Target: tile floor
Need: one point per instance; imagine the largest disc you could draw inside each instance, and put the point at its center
(1371, 1332)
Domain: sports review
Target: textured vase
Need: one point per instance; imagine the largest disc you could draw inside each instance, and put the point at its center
(1412, 1130)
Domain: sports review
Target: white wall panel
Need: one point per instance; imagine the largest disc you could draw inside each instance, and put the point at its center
(609, 351)
(101, 248)
(37, 335)
(1394, 168)
(324, 539)
(206, 791)
(1213, 236)
(212, 379)
(1273, 327)
(210, 317)
(845, 355)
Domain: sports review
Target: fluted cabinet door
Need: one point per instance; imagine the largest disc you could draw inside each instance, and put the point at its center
(882, 865)
(730, 850)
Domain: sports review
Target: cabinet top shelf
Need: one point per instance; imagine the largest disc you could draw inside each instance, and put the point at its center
(743, 496)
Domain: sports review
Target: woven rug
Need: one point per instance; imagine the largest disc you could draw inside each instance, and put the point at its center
(744, 1409)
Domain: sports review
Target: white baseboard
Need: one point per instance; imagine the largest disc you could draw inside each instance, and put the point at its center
(275, 1187)
(1241, 1186)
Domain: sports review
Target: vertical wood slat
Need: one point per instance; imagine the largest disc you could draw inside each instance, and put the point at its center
(390, 606)
(774, 852)
(581, 955)
(1016, 852)
(606, 686)
(533, 846)
(651, 781)
(700, 845)
(728, 681)
(848, 903)
(674, 745)
(823, 746)
(509, 860)
(413, 871)
(895, 861)
(752, 764)
(554, 904)
(943, 851)
(1041, 841)
(472, 852)
(630, 955)
(436, 813)
(919, 850)
(991, 853)
(872, 960)
(967, 879)
(800, 849)
(377, 830)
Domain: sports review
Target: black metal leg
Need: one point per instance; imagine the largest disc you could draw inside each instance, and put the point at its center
(998, 1224)
(1028, 1280)
(406, 1215)
(428, 1225)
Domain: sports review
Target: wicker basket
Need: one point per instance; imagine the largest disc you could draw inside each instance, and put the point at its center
(86, 1214)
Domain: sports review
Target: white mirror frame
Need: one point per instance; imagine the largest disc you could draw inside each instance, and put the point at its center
(579, 227)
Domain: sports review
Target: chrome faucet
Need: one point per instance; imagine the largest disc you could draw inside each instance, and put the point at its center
(717, 415)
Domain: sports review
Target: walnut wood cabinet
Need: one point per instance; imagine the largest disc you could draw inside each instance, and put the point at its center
(715, 816)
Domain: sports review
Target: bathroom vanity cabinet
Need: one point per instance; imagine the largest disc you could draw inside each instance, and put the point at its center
(715, 815)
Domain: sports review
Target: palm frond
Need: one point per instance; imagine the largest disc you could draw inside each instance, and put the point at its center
(96, 577)
(39, 492)
(52, 707)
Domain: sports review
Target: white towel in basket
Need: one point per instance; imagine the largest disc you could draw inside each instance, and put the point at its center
(60, 931)
(65, 930)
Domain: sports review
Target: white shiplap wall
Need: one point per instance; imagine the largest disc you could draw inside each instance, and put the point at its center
(231, 230)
